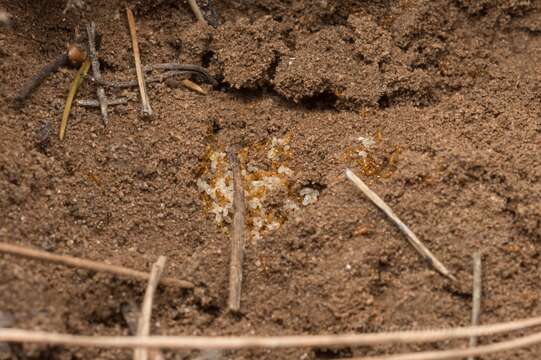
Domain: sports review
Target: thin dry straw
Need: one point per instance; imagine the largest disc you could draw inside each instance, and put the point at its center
(96, 103)
(131, 315)
(521, 342)
(251, 342)
(197, 11)
(476, 302)
(143, 327)
(237, 237)
(147, 110)
(102, 99)
(71, 261)
(412, 238)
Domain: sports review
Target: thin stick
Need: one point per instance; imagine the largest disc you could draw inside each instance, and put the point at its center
(412, 238)
(197, 11)
(271, 342)
(143, 327)
(147, 110)
(15, 349)
(134, 83)
(131, 314)
(183, 68)
(96, 103)
(237, 238)
(476, 302)
(38, 79)
(155, 78)
(91, 31)
(87, 264)
(521, 342)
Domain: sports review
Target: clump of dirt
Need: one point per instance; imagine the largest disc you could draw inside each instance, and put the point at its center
(247, 53)
(324, 63)
(194, 43)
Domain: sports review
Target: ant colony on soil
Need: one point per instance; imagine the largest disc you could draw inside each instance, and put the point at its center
(372, 157)
(270, 200)
(267, 180)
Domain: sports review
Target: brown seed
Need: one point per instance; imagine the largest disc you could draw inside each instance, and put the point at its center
(76, 54)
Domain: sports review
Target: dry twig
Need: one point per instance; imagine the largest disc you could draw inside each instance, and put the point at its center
(74, 55)
(412, 238)
(96, 103)
(30, 86)
(131, 314)
(176, 70)
(143, 327)
(476, 302)
(183, 68)
(91, 31)
(134, 83)
(197, 11)
(147, 110)
(521, 342)
(271, 342)
(13, 349)
(88, 264)
(237, 237)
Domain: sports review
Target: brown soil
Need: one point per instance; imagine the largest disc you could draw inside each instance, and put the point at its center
(447, 90)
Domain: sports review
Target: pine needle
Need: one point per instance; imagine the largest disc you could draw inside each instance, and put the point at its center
(75, 84)
(193, 86)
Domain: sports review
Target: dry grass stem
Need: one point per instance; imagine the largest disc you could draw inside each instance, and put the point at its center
(43, 73)
(521, 342)
(134, 83)
(91, 31)
(476, 302)
(237, 237)
(96, 103)
(143, 325)
(253, 342)
(197, 11)
(12, 350)
(76, 83)
(183, 68)
(412, 238)
(88, 264)
(147, 110)
(130, 313)
(176, 70)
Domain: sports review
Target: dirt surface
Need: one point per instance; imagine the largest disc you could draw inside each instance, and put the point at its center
(435, 104)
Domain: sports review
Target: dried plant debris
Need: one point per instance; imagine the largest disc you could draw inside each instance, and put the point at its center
(268, 184)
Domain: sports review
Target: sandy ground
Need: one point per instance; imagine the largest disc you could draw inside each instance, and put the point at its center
(435, 104)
